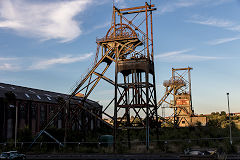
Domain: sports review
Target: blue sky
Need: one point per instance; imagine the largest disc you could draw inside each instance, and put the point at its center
(50, 44)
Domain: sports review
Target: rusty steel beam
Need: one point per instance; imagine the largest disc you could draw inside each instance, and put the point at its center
(178, 69)
(132, 12)
(135, 8)
(105, 78)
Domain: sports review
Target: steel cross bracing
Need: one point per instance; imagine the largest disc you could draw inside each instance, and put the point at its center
(128, 43)
(135, 92)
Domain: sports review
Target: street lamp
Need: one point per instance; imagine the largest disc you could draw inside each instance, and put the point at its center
(16, 126)
(230, 129)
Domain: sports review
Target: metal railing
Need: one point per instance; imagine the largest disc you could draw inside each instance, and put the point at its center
(117, 37)
(124, 144)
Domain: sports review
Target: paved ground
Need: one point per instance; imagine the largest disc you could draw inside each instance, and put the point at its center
(102, 156)
(120, 157)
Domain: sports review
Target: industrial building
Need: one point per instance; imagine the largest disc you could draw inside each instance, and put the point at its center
(34, 109)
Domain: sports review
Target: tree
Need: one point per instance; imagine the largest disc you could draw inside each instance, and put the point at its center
(214, 123)
(223, 113)
(213, 113)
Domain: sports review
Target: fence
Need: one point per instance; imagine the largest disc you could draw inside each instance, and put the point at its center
(164, 146)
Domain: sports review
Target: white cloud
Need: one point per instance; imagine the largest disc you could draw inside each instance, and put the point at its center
(7, 59)
(173, 53)
(103, 25)
(9, 64)
(46, 63)
(188, 57)
(235, 28)
(44, 20)
(172, 6)
(10, 24)
(30, 63)
(219, 2)
(211, 21)
(220, 23)
(8, 67)
(223, 40)
(179, 56)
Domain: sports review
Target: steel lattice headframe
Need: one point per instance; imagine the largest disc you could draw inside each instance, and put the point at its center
(129, 45)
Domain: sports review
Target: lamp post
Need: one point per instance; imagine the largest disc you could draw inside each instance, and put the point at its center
(230, 129)
(16, 126)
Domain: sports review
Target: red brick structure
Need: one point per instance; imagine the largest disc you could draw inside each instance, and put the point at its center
(35, 107)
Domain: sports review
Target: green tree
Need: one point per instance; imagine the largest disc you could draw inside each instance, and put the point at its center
(213, 113)
(223, 113)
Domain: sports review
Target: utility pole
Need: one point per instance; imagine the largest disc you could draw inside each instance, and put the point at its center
(230, 129)
(16, 124)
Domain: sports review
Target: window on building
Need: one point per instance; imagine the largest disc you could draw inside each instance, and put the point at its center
(22, 111)
(33, 110)
(27, 95)
(42, 114)
(11, 106)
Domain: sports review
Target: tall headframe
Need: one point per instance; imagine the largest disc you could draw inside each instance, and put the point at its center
(178, 97)
(129, 44)
(182, 103)
(135, 92)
